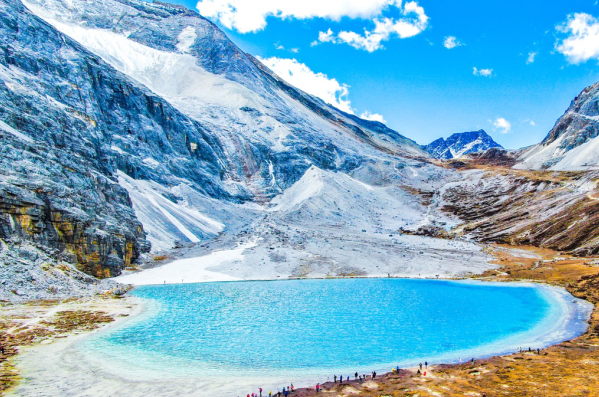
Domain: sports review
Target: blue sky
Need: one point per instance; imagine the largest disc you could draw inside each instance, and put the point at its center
(531, 58)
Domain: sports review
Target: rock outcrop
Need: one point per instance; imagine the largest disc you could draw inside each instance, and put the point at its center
(572, 144)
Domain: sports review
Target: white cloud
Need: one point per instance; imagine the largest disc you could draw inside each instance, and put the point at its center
(531, 57)
(502, 125)
(281, 47)
(326, 37)
(373, 117)
(317, 84)
(251, 16)
(413, 21)
(452, 42)
(582, 41)
(482, 72)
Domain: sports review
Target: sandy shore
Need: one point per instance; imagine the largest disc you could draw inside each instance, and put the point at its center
(61, 366)
(44, 332)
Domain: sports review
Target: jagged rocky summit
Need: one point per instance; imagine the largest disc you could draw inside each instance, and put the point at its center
(572, 144)
(461, 144)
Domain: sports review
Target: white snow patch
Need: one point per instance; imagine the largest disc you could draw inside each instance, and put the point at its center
(173, 76)
(190, 270)
(117, 149)
(308, 186)
(14, 132)
(271, 172)
(186, 39)
(583, 157)
(364, 185)
(151, 161)
(192, 237)
(164, 221)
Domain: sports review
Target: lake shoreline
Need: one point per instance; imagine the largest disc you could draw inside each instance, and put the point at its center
(381, 379)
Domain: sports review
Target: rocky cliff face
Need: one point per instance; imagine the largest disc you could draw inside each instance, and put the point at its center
(572, 144)
(461, 144)
(126, 123)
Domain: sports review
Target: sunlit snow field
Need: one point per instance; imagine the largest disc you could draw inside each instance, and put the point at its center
(231, 337)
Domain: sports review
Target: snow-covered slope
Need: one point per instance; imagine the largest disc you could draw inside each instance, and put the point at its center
(335, 224)
(461, 144)
(127, 124)
(572, 144)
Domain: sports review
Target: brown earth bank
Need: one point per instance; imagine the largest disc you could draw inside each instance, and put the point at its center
(568, 369)
(557, 210)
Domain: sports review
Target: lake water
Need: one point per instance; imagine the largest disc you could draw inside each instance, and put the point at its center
(308, 330)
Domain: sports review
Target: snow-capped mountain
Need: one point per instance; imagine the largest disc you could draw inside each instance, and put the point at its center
(461, 144)
(129, 126)
(573, 143)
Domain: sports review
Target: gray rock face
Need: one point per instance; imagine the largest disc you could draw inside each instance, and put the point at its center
(461, 144)
(31, 272)
(580, 123)
(62, 110)
(571, 144)
(75, 116)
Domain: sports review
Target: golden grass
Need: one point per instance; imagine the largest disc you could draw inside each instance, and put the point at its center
(15, 334)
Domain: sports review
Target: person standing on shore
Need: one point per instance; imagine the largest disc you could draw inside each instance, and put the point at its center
(421, 366)
(356, 375)
(340, 378)
(334, 378)
(426, 364)
(260, 392)
(317, 387)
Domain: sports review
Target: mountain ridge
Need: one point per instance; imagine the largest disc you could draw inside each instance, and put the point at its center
(461, 144)
(572, 144)
(197, 139)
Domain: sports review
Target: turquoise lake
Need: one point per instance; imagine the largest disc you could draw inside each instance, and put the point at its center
(314, 328)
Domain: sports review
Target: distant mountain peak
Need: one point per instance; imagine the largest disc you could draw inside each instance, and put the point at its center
(461, 144)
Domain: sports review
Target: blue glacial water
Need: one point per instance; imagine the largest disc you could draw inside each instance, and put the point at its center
(312, 327)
